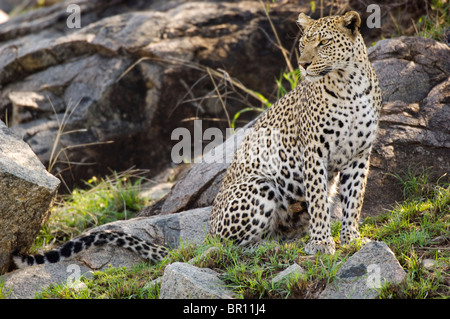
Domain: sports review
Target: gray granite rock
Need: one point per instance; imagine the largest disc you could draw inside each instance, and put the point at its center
(364, 273)
(184, 281)
(27, 192)
(290, 272)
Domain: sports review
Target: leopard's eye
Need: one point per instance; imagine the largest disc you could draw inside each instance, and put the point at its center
(323, 42)
(301, 47)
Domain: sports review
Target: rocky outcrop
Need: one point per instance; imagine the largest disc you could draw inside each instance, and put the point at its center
(27, 192)
(133, 72)
(414, 129)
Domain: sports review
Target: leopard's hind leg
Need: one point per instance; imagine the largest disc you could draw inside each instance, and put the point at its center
(244, 212)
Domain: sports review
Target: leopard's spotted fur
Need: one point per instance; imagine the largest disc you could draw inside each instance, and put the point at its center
(318, 134)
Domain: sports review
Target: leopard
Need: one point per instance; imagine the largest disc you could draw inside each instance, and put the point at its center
(310, 144)
(313, 141)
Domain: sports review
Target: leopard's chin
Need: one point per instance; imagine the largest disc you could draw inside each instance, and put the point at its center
(313, 78)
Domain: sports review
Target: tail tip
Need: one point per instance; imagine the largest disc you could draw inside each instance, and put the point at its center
(20, 261)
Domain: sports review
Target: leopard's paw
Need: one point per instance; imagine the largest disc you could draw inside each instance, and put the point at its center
(320, 246)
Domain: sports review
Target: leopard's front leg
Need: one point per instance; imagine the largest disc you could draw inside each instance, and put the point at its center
(352, 187)
(316, 195)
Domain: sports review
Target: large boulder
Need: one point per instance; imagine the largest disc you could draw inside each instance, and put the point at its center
(109, 94)
(27, 192)
(414, 130)
(408, 68)
(25, 284)
(364, 273)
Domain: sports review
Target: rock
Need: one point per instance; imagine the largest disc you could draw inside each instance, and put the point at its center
(409, 67)
(26, 283)
(414, 129)
(27, 192)
(103, 257)
(184, 281)
(156, 192)
(365, 272)
(118, 86)
(291, 272)
(430, 263)
(170, 230)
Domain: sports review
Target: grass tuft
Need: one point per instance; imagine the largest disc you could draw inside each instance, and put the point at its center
(116, 197)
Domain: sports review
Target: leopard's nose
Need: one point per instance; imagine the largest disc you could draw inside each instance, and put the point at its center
(305, 65)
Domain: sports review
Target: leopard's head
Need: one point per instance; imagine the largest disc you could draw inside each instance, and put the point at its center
(329, 44)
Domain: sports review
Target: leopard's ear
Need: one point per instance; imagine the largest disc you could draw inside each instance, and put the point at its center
(303, 21)
(351, 22)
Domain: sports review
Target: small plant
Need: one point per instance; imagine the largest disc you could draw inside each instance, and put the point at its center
(292, 77)
(433, 24)
(416, 182)
(4, 292)
(112, 198)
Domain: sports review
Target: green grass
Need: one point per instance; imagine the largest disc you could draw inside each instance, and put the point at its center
(4, 292)
(438, 19)
(112, 198)
(114, 283)
(416, 230)
(287, 82)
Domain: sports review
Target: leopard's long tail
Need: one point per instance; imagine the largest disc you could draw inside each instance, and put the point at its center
(145, 249)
